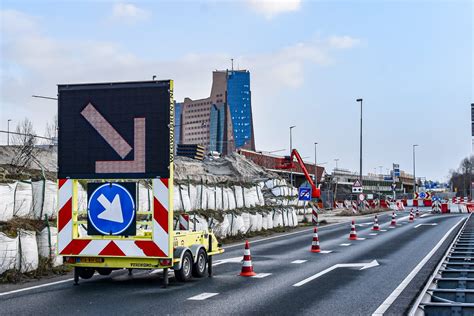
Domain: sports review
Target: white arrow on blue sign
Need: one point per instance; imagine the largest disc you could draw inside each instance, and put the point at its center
(304, 194)
(111, 209)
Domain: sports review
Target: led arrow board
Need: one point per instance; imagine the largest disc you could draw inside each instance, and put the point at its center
(115, 130)
(111, 209)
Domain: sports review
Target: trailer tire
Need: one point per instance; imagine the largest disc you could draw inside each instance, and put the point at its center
(185, 273)
(85, 273)
(199, 267)
(104, 271)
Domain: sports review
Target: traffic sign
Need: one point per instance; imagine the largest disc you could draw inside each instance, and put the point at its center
(396, 170)
(304, 194)
(115, 130)
(394, 186)
(357, 187)
(361, 197)
(111, 209)
(422, 195)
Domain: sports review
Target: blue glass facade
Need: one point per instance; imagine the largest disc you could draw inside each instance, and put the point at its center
(238, 100)
(216, 128)
(178, 110)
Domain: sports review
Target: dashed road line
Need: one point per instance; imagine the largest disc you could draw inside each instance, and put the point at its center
(345, 245)
(261, 275)
(202, 296)
(299, 261)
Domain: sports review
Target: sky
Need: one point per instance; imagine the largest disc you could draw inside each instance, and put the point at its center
(410, 61)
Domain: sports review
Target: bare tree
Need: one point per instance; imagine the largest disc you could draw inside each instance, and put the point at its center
(25, 141)
(462, 177)
(52, 130)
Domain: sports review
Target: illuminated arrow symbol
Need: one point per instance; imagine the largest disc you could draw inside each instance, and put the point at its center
(116, 141)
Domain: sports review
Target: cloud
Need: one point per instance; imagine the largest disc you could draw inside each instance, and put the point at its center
(343, 42)
(272, 8)
(34, 63)
(129, 13)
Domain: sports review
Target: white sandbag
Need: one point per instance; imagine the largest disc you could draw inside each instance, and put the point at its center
(28, 259)
(222, 229)
(8, 252)
(270, 183)
(277, 219)
(185, 198)
(225, 199)
(261, 185)
(278, 191)
(211, 198)
(301, 218)
(50, 202)
(177, 205)
(246, 220)
(284, 213)
(259, 221)
(204, 195)
(260, 199)
(193, 195)
(239, 196)
(264, 221)
(145, 198)
(231, 198)
(237, 225)
(295, 217)
(7, 201)
(197, 222)
(269, 219)
(37, 198)
(253, 223)
(44, 198)
(81, 199)
(47, 245)
(251, 197)
(219, 198)
(23, 200)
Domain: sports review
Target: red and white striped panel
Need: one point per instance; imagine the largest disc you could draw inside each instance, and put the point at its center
(183, 222)
(158, 247)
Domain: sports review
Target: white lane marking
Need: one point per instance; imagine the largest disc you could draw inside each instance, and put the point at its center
(427, 224)
(222, 261)
(365, 265)
(261, 275)
(299, 261)
(202, 296)
(345, 245)
(424, 215)
(36, 287)
(298, 232)
(393, 296)
(391, 227)
(360, 238)
(325, 251)
(373, 234)
(383, 230)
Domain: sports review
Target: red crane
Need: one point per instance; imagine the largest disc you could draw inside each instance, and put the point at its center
(288, 163)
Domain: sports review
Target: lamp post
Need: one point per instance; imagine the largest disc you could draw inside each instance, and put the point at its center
(336, 160)
(360, 154)
(315, 166)
(291, 149)
(414, 168)
(8, 132)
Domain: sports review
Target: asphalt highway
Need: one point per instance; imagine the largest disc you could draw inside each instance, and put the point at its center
(352, 278)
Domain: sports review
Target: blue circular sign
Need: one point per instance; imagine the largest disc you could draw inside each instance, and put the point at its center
(422, 195)
(111, 209)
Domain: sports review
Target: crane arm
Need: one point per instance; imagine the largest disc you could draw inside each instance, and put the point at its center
(315, 191)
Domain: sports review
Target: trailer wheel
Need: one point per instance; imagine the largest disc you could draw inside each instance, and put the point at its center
(199, 268)
(184, 274)
(85, 273)
(104, 271)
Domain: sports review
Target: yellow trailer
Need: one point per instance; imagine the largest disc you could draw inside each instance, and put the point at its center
(113, 136)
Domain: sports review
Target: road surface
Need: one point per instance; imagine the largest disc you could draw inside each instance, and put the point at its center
(290, 280)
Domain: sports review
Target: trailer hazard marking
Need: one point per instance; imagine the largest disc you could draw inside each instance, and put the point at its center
(111, 250)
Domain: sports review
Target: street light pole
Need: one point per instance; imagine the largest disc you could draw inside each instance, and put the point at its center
(336, 160)
(360, 154)
(291, 150)
(8, 132)
(315, 167)
(414, 165)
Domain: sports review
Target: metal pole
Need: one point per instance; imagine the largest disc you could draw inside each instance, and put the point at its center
(315, 167)
(360, 153)
(291, 150)
(8, 132)
(414, 169)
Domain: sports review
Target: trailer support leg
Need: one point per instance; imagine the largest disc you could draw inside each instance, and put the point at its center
(209, 266)
(130, 271)
(165, 278)
(76, 276)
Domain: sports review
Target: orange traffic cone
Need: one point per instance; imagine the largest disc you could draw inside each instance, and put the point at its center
(417, 212)
(247, 267)
(411, 218)
(376, 223)
(394, 221)
(353, 234)
(315, 243)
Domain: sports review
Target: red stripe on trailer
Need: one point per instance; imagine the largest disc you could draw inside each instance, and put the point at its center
(111, 250)
(150, 249)
(64, 215)
(75, 247)
(160, 214)
(61, 182)
(165, 182)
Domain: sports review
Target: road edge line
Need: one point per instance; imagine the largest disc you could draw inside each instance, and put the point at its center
(396, 293)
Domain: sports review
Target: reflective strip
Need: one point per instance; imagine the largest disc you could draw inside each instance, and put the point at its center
(64, 236)
(246, 252)
(160, 237)
(65, 193)
(94, 247)
(130, 248)
(247, 264)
